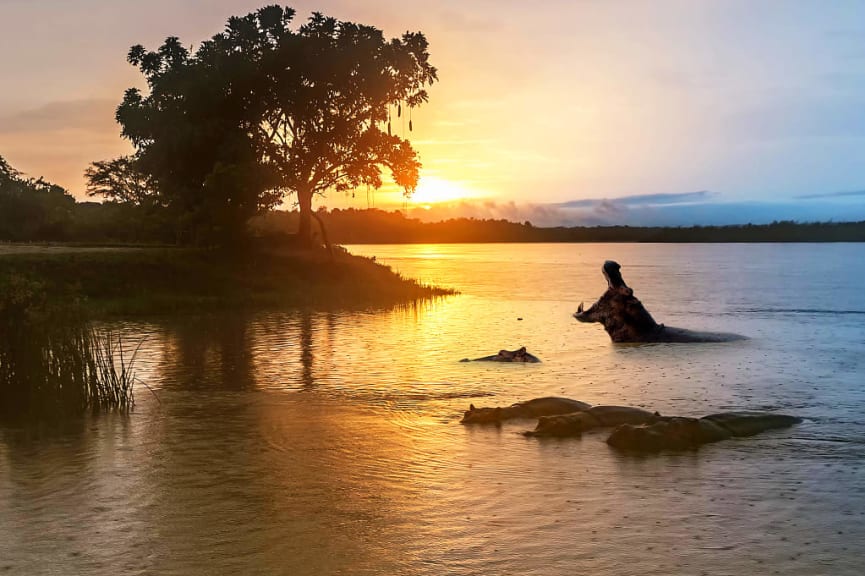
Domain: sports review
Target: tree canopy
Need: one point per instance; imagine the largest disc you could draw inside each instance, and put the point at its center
(262, 111)
(120, 179)
(32, 208)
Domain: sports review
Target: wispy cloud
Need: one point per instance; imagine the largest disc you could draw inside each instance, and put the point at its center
(92, 115)
(453, 142)
(537, 214)
(640, 200)
(832, 195)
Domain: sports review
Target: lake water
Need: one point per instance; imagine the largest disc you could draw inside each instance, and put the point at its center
(330, 443)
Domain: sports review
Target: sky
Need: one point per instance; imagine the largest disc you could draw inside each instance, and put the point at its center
(560, 112)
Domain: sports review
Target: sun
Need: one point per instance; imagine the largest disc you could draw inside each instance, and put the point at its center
(432, 190)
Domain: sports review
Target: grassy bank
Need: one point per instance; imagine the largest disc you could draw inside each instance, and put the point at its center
(171, 280)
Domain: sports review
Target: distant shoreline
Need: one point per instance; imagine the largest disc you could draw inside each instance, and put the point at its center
(379, 227)
(373, 226)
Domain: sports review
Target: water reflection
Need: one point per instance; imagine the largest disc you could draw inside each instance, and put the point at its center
(306, 355)
(206, 352)
(310, 443)
(237, 351)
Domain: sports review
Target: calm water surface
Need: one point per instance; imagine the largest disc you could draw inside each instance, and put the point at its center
(329, 443)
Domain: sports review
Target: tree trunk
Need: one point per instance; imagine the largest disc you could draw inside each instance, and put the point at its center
(323, 234)
(304, 230)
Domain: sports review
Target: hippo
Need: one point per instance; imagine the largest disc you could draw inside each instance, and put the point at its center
(519, 355)
(574, 424)
(529, 409)
(680, 433)
(626, 320)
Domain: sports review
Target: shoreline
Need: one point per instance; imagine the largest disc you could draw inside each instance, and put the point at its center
(145, 280)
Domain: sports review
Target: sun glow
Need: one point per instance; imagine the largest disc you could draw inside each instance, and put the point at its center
(432, 190)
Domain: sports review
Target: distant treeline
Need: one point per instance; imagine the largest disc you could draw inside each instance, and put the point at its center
(33, 210)
(379, 227)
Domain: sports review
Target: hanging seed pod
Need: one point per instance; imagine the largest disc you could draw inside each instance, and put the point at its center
(399, 110)
(388, 127)
(409, 125)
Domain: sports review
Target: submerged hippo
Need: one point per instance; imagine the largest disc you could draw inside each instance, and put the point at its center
(626, 320)
(529, 409)
(519, 355)
(576, 423)
(678, 433)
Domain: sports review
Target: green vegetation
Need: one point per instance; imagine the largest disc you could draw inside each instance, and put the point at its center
(270, 271)
(53, 362)
(179, 280)
(34, 210)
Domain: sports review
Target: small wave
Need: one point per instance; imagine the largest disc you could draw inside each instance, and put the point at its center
(427, 396)
(449, 395)
(770, 310)
(829, 439)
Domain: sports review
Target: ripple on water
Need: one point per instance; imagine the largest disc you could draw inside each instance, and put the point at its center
(310, 443)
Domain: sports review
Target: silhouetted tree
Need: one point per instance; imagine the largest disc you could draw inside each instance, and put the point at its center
(7, 172)
(120, 179)
(262, 110)
(32, 209)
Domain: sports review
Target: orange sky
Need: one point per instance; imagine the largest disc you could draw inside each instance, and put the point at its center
(537, 103)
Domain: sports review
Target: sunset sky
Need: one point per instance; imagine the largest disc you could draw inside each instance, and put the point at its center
(559, 112)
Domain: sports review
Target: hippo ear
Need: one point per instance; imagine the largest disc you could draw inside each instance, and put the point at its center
(521, 350)
(657, 414)
(472, 407)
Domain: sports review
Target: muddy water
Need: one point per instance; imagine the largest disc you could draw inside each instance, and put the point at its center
(310, 443)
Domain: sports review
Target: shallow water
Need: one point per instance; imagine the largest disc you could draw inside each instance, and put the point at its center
(328, 443)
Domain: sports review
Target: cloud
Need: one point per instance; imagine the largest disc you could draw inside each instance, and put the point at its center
(537, 214)
(91, 115)
(832, 195)
(640, 200)
(455, 142)
(630, 213)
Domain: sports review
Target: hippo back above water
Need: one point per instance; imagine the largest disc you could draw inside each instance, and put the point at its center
(530, 409)
(518, 355)
(680, 433)
(575, 424)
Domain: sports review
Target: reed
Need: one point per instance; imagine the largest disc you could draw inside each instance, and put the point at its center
(53, 361)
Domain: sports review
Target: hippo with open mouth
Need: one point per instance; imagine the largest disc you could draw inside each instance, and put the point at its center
(679, 433)
(574, 424)
(519, 355)
(530, 409)
(626, 320)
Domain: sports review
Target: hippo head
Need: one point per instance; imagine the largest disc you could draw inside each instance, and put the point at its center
(520, 355)
(613, 275)
(621, 314)
(481, 415)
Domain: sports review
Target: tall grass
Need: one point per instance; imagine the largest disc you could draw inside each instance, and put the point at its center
(53, 362)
